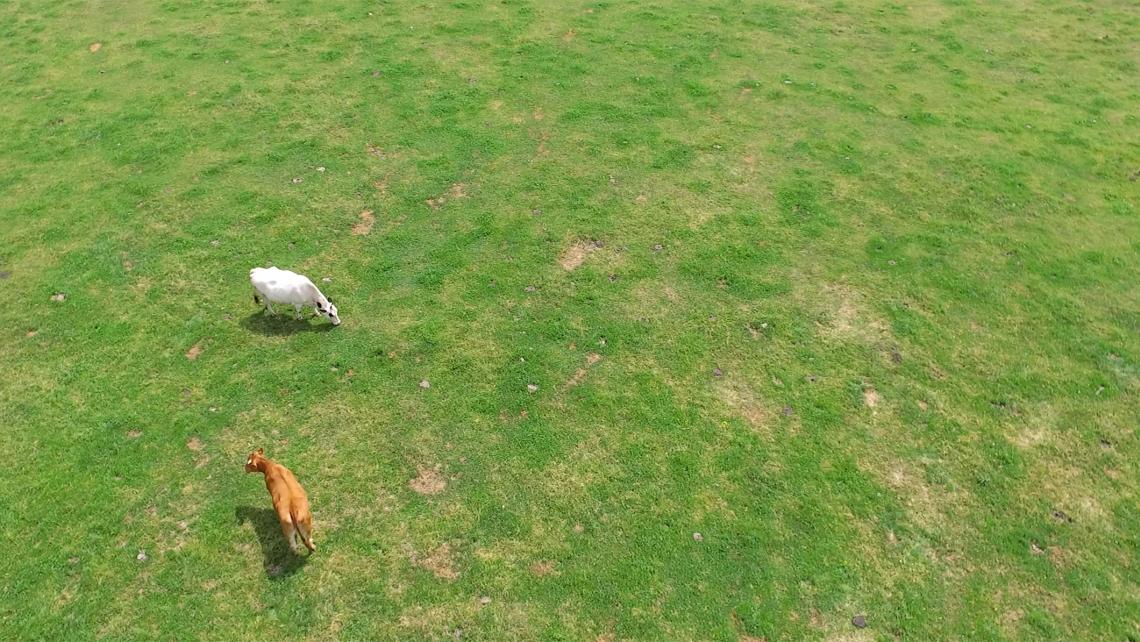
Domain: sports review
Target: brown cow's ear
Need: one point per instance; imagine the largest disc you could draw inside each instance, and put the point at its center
(261, 451)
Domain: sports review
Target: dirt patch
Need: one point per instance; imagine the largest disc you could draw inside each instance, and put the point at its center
(847, 316)
(871, 398)
(429, 481)
(543, 568)
(580, 374)
(641, 199)
(31, 333)
(194, 351)
(569, 35)
(59, 297)
(922, 405)
(576, 254)
(134, 434)
(375, 151)
(365, 224)
(538, 115)
(457, 190)
(440, 563)
(194, 444)
(95, 47)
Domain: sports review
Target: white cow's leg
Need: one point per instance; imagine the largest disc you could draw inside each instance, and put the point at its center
(269, 306)
(297, 309)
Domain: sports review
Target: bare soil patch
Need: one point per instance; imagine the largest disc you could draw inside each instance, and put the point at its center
(95, 47)
(457, 190)
(194, 351)
(580, 374)
(871, 398)
(573, 256)
(194, 444)
(365, 224)
(440, 563)
(429, 481)
(543, 568)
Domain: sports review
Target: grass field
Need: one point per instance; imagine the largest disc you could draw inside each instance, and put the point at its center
(826, 310)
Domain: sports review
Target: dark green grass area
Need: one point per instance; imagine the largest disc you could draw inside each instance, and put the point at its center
(829, 310)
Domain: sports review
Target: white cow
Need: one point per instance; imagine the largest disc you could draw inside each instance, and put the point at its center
(283, 286)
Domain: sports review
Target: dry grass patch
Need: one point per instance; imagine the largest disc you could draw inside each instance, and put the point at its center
(576, 254)
(440, 563)
(365, 224)
(456, 191)
(429, 481)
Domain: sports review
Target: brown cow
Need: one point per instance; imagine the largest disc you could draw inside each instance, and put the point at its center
(289, 499)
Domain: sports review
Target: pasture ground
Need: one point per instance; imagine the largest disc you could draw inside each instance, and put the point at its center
(829, 309)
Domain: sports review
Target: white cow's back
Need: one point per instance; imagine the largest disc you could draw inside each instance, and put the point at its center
(283, 286)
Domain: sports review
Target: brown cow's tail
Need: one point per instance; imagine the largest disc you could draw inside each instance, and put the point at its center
(304, 526)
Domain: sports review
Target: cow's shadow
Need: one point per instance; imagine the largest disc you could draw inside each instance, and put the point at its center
(282, 323)
(279, 561)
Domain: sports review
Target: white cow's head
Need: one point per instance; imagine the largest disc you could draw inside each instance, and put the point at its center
(327, 309)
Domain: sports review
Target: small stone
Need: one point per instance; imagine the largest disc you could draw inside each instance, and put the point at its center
(530, 288)
(142, 557)
(484, 600)
(298, 179)
(58, 297)
(73, 560)
(327, 279)
(697, 537)
(1061, 516)
(536, 212)
(859, 621)
(321, 169)
(213, 408)
(891, 262)
(613, 277)
(425, 384)
(788, 411)
(1035, 549)
(215, 242)
(717, 372)
(376, 74)
(530, 387)
(658, 248)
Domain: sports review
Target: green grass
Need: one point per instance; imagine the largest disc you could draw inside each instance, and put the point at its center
(802, 209)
